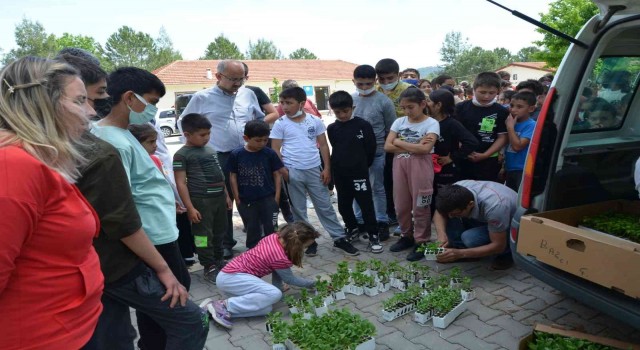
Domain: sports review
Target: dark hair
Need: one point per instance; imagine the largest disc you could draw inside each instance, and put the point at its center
(78, 52)
(440, 79)
(415, 95)
(587, 92)
(448, 88)
(508, 94)
(387, 66)
(444, 97)
(193, 122)
(340, 99)
(364, 71)
(422, 81)
(295, 235)
(526, 96)
(468, 91)
(90, 72)
(412, 70)
(142, 132)
(599, 104)
(531, 84)
(505, 84)
(296, 93)
(256, 128)
(487, 79)
(289, 83)
(546, 78)
(504, 74)
(452, 197)
(133, 79)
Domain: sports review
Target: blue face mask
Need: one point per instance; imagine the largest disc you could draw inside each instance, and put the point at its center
(145, 116)
(412, 81)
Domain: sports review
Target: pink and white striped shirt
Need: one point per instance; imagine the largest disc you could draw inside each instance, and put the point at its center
(261, 260)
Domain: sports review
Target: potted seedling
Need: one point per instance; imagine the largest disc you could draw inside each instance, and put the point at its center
(375, 266)
(397, 276)
(424, 310)
(278, 329)
(466, 291)
(622, 225)
(447, 305)
(370, 286)
(393, 268)
(292, 303)
(384, 282)
(322, 290)
(320, 308)
(431, 250)
(362, 267)
(359, 280)
(307, 309)
(455, 276)
(337, 285)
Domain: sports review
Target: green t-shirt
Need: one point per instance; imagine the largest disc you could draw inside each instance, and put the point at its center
(203, 170)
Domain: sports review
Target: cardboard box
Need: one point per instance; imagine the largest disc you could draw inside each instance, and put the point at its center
(553, 238)
(524, 342)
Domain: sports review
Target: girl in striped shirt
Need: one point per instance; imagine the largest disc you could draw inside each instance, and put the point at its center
(241, 278)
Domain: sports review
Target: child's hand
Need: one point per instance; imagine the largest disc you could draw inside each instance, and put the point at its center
(230, 203)
(194, 215)
(285, 174)
(428, 139)
(180, 209)
(444, 160)
(510, 122)
(325, 176)
(502, 175)
(477, 157)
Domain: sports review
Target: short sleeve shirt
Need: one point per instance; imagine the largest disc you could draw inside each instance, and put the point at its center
(415, 132)
(151, 192)
(254, 171)
(299, 141)
(394, 95)
(495, 203)
(514, 161)
(261, 260)
(204, 173)
(485, 123)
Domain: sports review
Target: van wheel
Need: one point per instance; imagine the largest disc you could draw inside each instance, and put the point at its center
(166, 131)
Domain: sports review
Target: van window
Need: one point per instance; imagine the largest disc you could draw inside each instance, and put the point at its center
(606, 98)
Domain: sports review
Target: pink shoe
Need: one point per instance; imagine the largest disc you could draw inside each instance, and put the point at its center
(220, 314)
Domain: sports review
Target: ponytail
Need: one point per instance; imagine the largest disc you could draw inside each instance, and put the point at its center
(295, 235)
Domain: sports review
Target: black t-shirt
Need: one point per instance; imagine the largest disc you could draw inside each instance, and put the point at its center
(105, 185)
(353, 147)
(457, 142)
(485, 123)
(254, 172)
(263, 99)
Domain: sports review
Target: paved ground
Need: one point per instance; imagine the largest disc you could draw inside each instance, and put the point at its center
(507, 306)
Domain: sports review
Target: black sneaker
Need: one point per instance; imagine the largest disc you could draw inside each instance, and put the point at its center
(351, 234)
(415, 255)
(312, 250)
(211, 273)
(402, 244)
(374, 244)
(363, 231)
(383, 231)
(346, 247)
(393, 221)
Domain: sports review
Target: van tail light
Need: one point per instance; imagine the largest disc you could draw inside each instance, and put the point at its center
(529, 167)
(514, 234)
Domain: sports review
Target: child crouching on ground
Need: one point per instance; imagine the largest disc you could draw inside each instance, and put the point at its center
(241, 278)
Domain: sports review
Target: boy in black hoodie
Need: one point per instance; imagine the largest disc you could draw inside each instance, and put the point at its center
(353, 146)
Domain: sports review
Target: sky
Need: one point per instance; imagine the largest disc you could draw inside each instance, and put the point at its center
(357, 31)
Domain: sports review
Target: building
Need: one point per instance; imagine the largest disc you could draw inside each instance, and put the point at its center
(521, 71)
(319, 78)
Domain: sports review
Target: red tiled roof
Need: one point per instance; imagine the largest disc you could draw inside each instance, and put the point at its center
(532, 65)
(195, 72)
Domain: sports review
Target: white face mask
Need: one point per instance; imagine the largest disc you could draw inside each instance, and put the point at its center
(389, 86)
(298, 113)
(476, 103)
(366, 92)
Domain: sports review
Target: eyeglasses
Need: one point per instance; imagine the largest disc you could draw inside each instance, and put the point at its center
(234, 80)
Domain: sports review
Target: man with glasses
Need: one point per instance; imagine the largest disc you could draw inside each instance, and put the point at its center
(229, 106)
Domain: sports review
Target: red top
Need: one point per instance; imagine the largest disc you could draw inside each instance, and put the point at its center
(50, 278)
(157, 162)
(262, 259)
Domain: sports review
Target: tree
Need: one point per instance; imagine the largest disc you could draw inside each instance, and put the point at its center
(476, 60)
(126, 47)
(452, 47)
(222, 48)
(31, 39)
(80, 41)
(302, 54)
(263, 50)
(526, 54)
(568, 16)
(164, 52)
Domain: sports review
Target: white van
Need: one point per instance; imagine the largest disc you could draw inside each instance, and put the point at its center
(586, 143)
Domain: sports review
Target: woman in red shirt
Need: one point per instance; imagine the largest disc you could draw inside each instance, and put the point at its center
(50, 278)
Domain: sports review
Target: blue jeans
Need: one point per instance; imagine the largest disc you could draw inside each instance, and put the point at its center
(308, 181)
(376, 178)
(470, 233)
(185, 327)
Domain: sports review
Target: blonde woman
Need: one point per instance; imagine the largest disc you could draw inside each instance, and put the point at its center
(50, 279)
